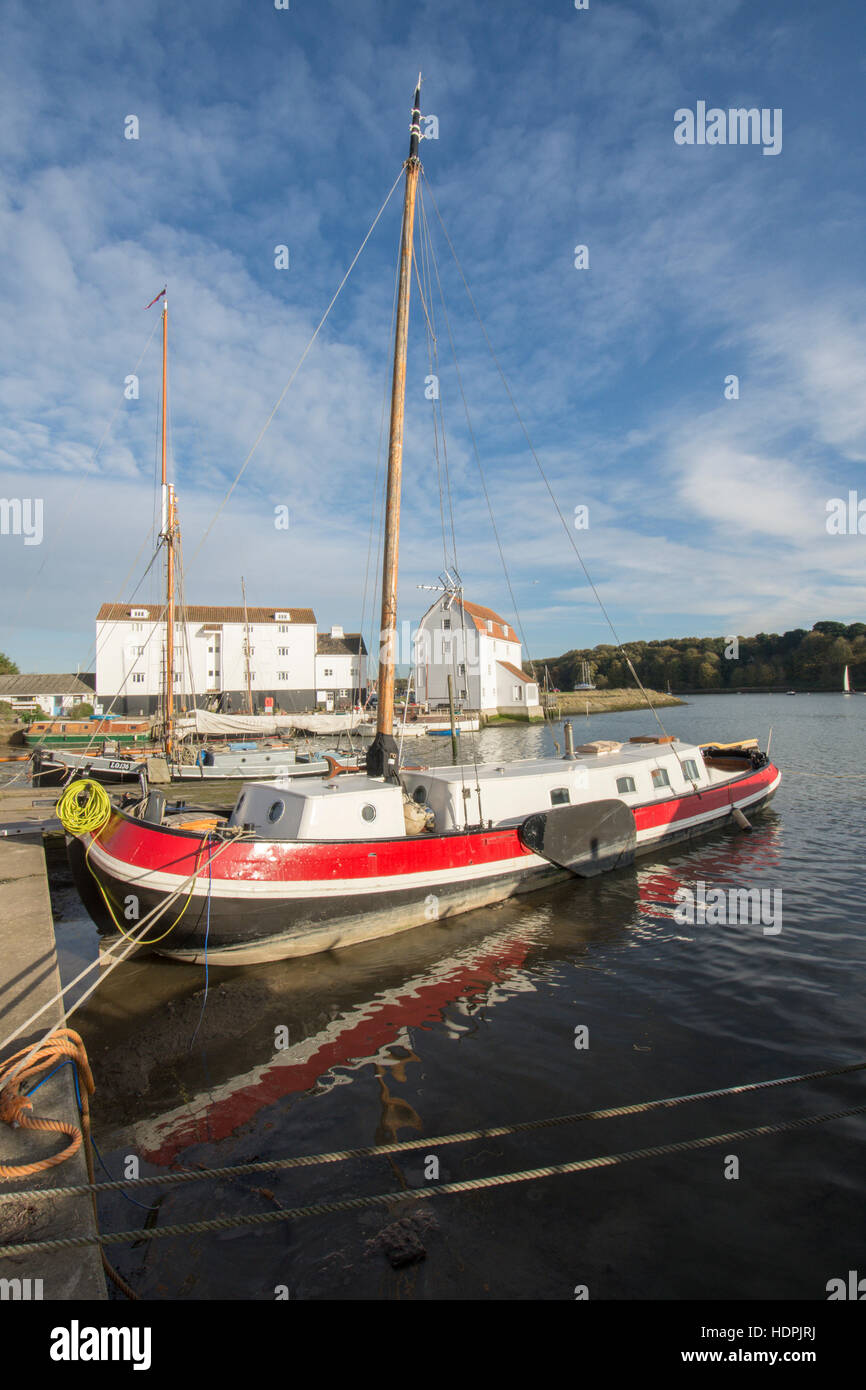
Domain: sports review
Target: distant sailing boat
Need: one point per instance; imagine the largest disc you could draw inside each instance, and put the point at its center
(846, 684)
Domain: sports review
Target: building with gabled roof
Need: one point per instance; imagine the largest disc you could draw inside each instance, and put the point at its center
(341, 669)
(480, 651)
(222, 655)
(49, 695)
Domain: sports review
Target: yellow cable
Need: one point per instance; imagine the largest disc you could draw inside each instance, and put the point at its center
(77, 815)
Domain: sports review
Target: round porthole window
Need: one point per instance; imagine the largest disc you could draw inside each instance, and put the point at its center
(368, 812)
(275, 810)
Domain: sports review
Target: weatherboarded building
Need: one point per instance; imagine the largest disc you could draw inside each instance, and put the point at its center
(341, 669)
(481, 651)
(220, 656)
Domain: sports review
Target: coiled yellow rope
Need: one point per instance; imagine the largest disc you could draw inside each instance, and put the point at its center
(83, 807)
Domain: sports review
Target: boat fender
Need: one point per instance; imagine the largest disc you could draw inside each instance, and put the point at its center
(740, 819)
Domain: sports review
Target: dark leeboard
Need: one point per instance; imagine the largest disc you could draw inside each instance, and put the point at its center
(587, 840)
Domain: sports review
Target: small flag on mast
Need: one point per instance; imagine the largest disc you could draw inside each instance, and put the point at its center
(159, 296)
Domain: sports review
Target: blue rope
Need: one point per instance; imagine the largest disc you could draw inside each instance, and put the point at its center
(206, 937)
(70, 1062)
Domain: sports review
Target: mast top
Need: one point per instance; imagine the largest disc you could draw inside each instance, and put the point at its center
(415, 124)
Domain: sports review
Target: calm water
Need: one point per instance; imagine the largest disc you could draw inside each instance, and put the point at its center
(471, 1023)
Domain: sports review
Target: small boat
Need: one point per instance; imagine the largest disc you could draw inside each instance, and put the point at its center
(66, 733)
(299, 867)
(846, 683)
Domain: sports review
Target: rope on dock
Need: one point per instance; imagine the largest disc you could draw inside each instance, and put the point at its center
(438, 1141)
(225, 1223)
(15, 1107)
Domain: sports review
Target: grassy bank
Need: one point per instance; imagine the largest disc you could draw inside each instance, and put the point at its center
(607, 701)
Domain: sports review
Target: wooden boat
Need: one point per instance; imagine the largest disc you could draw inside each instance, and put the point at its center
(298, 868)
(77, 733)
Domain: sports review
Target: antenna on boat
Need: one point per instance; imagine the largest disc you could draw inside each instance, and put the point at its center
(383, 753)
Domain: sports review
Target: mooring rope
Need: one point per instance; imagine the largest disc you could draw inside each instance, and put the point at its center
(441, 1140)
(380, 1199)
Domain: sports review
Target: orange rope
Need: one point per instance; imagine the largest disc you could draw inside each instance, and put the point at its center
(15, 1108)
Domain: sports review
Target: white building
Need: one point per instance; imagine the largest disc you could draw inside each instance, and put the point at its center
(483, 654)
(49, 695)
(210, 658)
(341, 669)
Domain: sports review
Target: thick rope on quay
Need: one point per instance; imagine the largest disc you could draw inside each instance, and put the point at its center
(64, 1045)
(438, 1141)
(226, 1223)
(15, 1108)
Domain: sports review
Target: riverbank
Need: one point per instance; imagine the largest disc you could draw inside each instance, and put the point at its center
(606, 701)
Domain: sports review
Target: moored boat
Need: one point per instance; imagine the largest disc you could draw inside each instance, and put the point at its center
(301, 867)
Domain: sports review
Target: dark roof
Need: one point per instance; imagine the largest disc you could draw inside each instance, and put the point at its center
(22, 686)
(195, 613)
(349, 645)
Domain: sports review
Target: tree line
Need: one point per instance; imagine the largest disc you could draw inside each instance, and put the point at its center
(799, 660)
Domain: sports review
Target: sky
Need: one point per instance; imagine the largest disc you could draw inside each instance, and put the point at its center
(257, 127)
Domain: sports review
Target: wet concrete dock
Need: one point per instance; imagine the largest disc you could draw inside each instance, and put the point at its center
(29, 977)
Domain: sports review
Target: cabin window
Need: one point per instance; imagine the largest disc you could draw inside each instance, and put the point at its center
(368, 812)
(275, 810)
(419, 796)
(690, 770)
(660, 778)
(625, 784)
(559, 796)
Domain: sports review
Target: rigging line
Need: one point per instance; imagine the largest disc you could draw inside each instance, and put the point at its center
(433, 358)
(298, 366)
(429, 254)
(377, 498)
(481, 470)
(92, 459)
(95, 650)
(415, 1194)
(565, 525)
(467, 1136)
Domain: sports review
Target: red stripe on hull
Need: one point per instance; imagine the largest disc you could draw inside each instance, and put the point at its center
(148, 847)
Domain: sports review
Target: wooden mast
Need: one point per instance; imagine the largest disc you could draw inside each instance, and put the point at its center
(382, 755)
(247, 649)
(168, 538)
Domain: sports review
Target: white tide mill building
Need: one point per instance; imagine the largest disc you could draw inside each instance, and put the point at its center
(481, 651)
(210, 658)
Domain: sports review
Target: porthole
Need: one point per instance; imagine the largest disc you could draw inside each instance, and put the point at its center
(368, 812)
(275, 810)
(419, 796)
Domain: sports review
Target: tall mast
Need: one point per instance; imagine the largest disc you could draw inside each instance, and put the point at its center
(168, 539)
(247, 649)
(382, 754)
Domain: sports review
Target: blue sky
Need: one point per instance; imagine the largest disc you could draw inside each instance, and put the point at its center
(261, 127)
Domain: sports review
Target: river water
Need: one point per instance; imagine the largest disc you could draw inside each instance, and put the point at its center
(588, 996)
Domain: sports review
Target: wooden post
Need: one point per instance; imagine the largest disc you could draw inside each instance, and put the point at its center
(453, 726)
